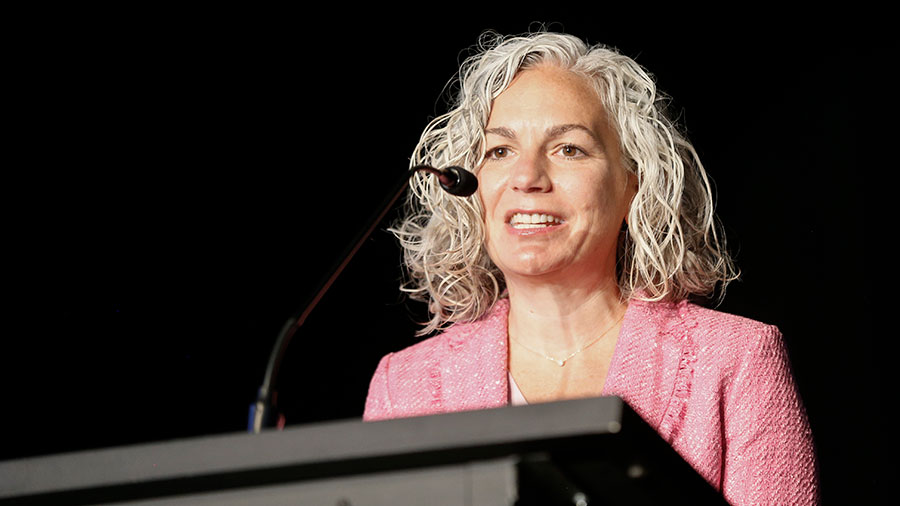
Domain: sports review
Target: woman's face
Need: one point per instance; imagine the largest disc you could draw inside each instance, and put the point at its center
(552, 183)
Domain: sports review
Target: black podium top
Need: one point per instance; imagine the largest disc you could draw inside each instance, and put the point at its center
(594, 447)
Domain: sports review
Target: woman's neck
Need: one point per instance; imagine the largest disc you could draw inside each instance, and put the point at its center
(558, 317)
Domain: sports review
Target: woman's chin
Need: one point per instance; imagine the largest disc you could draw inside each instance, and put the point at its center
(533, 268)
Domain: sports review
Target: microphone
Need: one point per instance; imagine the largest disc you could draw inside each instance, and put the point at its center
(454, 180)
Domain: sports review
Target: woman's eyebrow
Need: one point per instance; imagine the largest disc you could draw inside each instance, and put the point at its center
(558, 130)
(502, 132)
(552, 132)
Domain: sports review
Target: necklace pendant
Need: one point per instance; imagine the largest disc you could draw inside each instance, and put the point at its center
(560, 361)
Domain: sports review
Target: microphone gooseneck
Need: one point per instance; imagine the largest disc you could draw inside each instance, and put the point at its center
(454, 180)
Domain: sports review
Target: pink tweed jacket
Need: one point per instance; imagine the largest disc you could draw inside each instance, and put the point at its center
(717, 387)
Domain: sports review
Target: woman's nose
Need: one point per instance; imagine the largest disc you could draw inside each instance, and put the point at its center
(529, 175)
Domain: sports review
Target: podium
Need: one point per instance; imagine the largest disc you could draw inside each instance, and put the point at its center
(577, 452)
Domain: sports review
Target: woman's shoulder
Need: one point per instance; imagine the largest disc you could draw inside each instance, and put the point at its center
(713, 321)
(701, 318)
(733, 342)
(411, 381)
(402, 381)
(710, 329)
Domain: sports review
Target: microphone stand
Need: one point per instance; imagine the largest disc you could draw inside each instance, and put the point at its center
(262, 412)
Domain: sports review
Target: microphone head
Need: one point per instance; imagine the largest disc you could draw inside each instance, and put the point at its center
(462, 183)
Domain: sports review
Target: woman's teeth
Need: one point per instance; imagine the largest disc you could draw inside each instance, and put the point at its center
(521, 220)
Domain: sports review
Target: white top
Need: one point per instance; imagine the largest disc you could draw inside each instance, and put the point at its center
(515, 395)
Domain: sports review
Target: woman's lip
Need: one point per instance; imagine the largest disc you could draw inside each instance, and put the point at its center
(529, 231)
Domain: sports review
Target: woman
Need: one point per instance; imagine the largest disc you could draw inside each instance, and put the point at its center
(568, 274)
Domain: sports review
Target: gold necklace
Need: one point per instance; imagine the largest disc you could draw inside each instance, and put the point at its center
(562, 361)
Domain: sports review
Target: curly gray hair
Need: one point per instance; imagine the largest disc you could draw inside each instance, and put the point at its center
(673, 247)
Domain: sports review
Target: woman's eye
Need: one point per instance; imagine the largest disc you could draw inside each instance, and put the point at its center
(498, 153)
(570, 151)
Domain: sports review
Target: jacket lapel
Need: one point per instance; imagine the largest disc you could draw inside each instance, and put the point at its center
(652, 365)
(473, 369)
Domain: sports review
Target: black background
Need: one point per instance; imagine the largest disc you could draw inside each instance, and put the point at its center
(184, 180)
